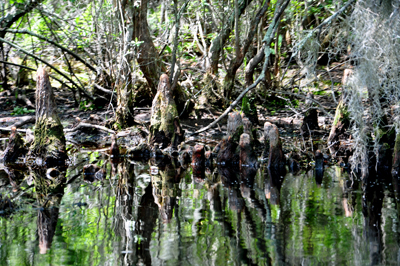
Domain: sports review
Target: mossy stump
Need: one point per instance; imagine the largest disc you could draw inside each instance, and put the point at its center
(164, 124)
(49, 143)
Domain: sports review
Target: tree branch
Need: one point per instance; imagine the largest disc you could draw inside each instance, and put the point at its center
(267, 43)
(48, 64)
(55, 44)
(318, 28)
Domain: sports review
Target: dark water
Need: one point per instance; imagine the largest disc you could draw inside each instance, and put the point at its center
(143, 214)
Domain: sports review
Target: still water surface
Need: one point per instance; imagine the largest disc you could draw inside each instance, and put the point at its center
(157, 214)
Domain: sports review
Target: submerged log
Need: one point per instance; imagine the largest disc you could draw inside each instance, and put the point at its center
(164, 124)
(15, 148)
(49, 143)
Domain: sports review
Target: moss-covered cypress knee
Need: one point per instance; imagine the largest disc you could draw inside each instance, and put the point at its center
(49, 143)
(164, 123)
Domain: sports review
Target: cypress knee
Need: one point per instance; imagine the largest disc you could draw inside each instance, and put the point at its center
(247, 156)
(164, 123)
(276, 160)
(15, 147)
(49, 143)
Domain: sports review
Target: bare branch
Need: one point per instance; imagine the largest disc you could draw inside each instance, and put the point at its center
(48, 64)
(267, 43)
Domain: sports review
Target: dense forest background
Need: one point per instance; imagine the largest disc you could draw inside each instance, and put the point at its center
(219, 55)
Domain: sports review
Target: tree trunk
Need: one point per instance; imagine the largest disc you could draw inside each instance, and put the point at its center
(147, 55)
(218, 42)
(229, 80)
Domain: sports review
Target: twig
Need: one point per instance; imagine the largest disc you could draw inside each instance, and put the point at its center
(87, 125)
(103, 89)
(321, 108)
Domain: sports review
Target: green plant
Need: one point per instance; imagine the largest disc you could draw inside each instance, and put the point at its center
(21, 111)
(84, 106)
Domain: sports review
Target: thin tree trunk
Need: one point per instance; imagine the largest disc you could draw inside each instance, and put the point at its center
(241, 52)
(218, 42)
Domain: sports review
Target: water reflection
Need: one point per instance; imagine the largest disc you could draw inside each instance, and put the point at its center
(159, 213)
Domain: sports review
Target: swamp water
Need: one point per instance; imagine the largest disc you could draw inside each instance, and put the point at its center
(155, 214)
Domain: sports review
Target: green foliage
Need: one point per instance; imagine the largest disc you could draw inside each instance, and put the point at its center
(85, 106)
(18, 110)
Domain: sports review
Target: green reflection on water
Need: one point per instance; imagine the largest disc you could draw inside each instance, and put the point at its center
(170, 218)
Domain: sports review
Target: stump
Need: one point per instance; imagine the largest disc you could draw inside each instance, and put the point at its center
(164, 124)
(319, 166)
(198, 156)
(114, 149)
(396, 157)
(49, 143)
(310, 120)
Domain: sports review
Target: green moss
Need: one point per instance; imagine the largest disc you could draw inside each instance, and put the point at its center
(341, 114)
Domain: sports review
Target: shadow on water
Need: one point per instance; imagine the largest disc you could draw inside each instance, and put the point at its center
(157, 212)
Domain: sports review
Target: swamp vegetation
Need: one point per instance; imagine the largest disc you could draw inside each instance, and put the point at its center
(244, 132)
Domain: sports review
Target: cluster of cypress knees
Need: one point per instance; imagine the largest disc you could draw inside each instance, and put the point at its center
(46, 146)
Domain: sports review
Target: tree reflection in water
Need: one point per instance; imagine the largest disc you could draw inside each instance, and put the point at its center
(160, 213)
